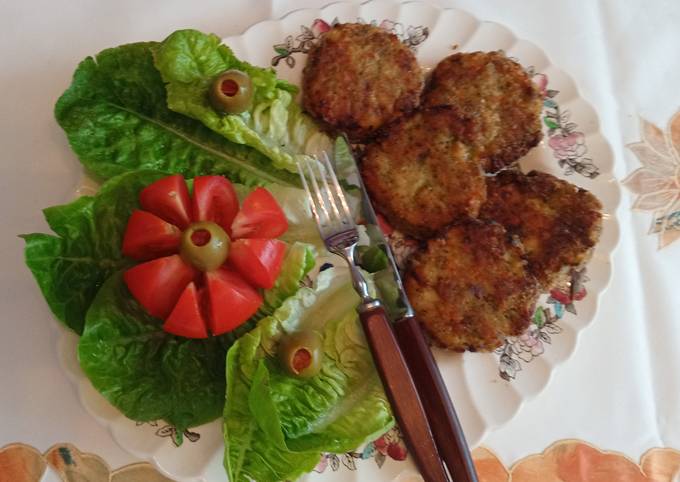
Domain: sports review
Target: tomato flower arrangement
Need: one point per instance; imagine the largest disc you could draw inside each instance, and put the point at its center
(204, 258)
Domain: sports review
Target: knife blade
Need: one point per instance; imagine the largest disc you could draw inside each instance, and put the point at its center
(444, 423)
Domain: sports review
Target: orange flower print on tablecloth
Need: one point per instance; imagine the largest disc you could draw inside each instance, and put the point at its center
(572, 461)
(21, 463)
(657, 183)
(75, 466)
(661, 465)
(564, 461)
(489, 468)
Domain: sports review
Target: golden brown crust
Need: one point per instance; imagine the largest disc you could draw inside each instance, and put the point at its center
(424, 173)
(557, 222)
(358, 78)
(494, 89)
(470, 287)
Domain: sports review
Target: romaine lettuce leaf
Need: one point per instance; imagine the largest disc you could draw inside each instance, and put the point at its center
(71, 266)
(299, 260)
(149, 374)
(145, 372)
(276, 425)
(117, 120)
(275, 125)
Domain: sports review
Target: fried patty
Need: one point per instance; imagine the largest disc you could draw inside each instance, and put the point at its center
(557, 222)
(495, 90)
(425, 173)
(470, 287)
(359, 77)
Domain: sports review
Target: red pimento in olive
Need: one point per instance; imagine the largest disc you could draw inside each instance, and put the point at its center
(301, 353)
(231, 92)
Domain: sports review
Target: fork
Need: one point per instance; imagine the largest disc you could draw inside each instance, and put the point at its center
(340, 235)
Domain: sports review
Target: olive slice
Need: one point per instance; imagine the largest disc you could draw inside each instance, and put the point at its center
(301, 353)
(205, 245)
(231, 92)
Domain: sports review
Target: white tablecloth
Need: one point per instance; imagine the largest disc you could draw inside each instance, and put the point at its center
(620, 390)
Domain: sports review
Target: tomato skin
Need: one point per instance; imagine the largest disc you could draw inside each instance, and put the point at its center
(258, 260)
(147, 236)
(158, 284)
(384, 226)
(231, 300)
(260, 217)
(214, 200)
(186, 318)
(168, 198)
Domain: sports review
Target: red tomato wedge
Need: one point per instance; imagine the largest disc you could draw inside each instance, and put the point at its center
(186, 319)
(260, 217)
(258, 260)
(231, 301)
(215, 200)
(147, 236)
(168, 198)
(158, 284)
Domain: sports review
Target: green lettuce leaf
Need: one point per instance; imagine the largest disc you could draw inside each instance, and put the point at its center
(299, 260)
(145, 372)
(275, 125)
(71, 266)
(149, 374)
(116, 118)
(275, 425)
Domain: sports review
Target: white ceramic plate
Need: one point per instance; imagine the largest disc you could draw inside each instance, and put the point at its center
(487, 389)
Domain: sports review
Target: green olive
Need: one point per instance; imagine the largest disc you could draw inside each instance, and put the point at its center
(205, 245)
(301, 353)
(231, 92)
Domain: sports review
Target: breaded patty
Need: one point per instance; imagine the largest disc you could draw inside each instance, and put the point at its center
(495, 90)
(359, 77)
(557, 222)
(424, 173)
(470, 287)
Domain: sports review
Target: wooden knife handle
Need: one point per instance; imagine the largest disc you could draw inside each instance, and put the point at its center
(402, 394)
(435, 398)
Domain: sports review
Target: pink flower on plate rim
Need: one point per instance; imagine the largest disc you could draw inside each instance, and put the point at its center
(392, 445)
(319, 27)
(531, 344)
(568, 146)
(657, 182)
(541, 81)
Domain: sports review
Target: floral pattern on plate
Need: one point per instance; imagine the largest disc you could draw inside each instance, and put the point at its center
(545, 322)
(657, 183)
(411, 36)
(566, 141)
(389, 445)
(168, 430)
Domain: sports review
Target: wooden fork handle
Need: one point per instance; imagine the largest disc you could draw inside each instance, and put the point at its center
(446, 428)
(402, 393)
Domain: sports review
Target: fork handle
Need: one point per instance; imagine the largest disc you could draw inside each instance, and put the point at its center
(446, 428)
(401, 391)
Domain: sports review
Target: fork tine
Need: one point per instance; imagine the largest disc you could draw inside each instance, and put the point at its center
(338, 189)
(321, 206)
(329, 193)
(312, 203)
